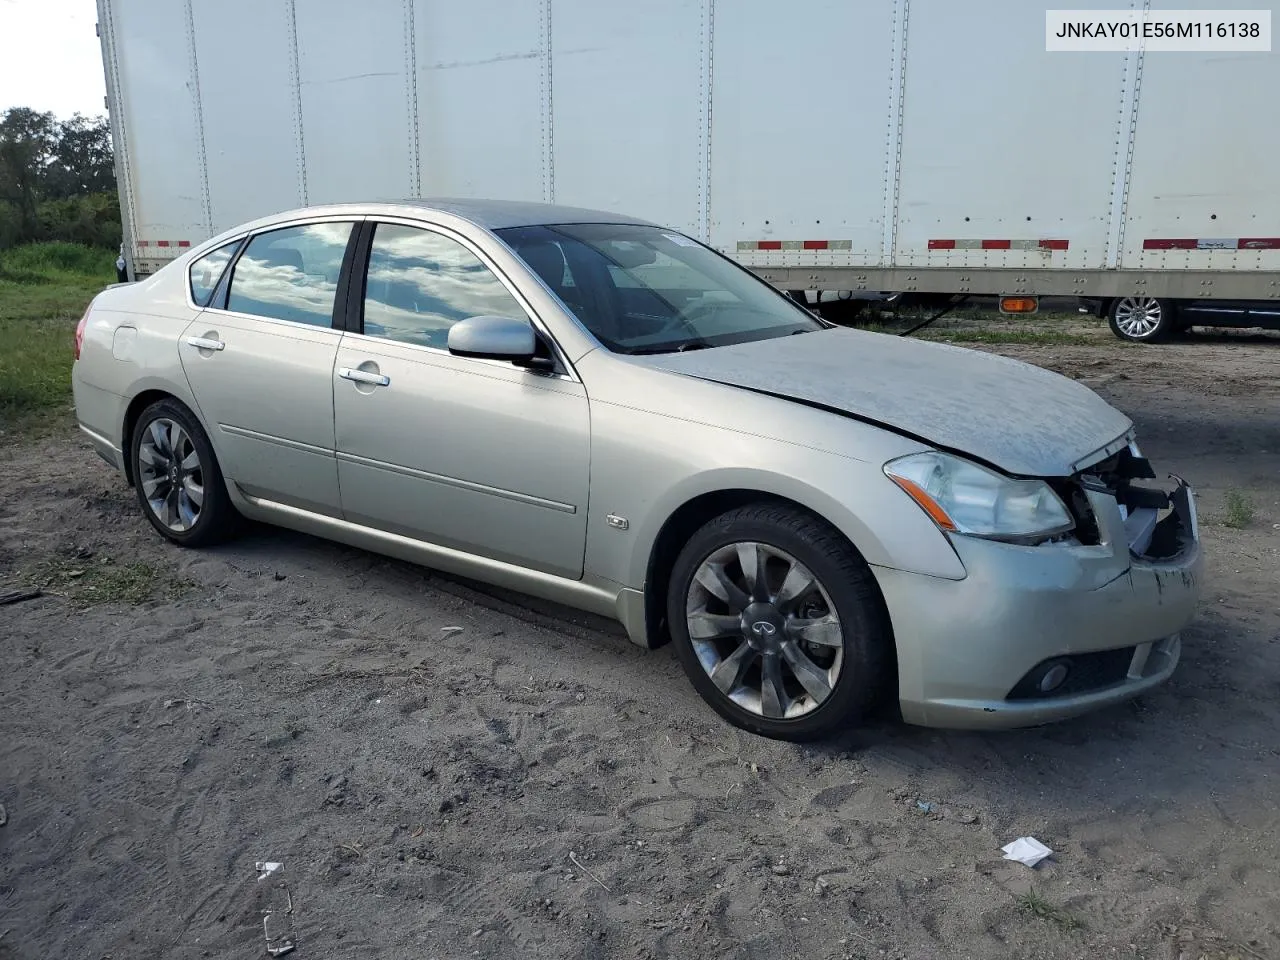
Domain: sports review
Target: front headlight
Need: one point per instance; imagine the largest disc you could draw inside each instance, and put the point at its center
(962, 497)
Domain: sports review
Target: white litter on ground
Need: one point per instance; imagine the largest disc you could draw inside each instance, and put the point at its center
(266, 868)
(1026, 850)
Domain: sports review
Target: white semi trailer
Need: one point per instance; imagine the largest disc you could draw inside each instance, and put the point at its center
(921, 146)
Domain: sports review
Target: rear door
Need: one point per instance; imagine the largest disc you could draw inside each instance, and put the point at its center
(260, 364)
(477, 455)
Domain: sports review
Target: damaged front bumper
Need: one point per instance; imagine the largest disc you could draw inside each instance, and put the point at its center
(1041, 633)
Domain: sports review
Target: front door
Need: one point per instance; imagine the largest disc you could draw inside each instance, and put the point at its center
(261, 369)
(471, 454)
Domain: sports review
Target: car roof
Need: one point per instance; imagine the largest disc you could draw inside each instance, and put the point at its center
(497, 214)
(486, 214)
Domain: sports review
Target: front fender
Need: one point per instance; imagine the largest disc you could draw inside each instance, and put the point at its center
(646, 483)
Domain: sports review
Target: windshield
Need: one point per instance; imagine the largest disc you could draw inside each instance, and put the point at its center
(643, 289)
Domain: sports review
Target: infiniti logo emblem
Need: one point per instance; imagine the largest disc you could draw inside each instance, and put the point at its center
(763, 628)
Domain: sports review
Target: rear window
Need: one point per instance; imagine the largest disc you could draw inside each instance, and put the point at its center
(207, 271)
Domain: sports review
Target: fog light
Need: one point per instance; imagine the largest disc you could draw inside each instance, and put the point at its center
(1053, 678)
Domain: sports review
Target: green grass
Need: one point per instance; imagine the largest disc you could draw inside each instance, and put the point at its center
(978, 326)
(944, 334)
(1039, 337)
(1239, 510)
(89, 581)
(1037, 906)
(38, 263)
(44, 289)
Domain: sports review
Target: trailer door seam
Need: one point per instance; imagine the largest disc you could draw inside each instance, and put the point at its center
(893, 135)
(291, 11)
(411, 98)
(197, 105)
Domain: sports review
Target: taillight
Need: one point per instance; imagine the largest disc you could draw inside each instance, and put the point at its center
(80, 331)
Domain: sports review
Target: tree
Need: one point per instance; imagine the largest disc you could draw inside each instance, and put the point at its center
(81, 162)
(57, 179)
(27, 143)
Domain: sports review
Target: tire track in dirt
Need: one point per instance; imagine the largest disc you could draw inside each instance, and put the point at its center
(545, 732)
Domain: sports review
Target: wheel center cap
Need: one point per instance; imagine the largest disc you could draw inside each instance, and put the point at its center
(762, 627)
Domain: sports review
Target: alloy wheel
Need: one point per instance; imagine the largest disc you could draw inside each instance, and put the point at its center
(764, 629)
(170, 474)
(1139, 317)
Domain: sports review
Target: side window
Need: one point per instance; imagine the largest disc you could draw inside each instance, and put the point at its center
(207, 271)
(421, 283)
(291, 274)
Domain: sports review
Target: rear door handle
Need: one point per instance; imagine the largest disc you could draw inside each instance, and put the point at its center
(364, 376)
(204, 343)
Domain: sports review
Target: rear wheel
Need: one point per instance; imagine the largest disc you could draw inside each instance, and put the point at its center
(177, 479)
(1142, 319)
(778, 623)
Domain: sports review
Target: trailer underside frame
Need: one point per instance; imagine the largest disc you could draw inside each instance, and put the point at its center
(1176, 284)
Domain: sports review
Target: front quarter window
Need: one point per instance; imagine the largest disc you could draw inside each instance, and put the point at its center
(642, 289)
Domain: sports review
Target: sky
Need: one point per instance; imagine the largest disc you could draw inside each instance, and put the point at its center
(49, 57)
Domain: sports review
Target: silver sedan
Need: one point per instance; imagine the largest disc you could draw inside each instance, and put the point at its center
(604, 412)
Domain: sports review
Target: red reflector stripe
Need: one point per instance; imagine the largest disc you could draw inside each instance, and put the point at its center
(1259, 243)
(1168, 244)
(769, 245)
(815, 245)
(974, 243)
(163, 243)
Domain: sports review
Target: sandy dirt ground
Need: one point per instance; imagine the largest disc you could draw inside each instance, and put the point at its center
(531, 785)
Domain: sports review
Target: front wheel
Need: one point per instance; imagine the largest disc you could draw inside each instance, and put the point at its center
(1142, 319)
(778, 623)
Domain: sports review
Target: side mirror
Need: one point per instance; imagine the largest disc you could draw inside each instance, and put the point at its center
(499, 338)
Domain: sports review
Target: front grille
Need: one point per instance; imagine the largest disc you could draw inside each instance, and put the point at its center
(1087, 673)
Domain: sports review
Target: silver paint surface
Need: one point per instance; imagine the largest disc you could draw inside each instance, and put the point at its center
(1023, 419)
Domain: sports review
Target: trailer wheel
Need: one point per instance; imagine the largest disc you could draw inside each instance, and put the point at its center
(1142, 319)
(846, 313)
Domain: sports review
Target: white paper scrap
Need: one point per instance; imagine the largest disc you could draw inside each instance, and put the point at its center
(1026, 850)
(266, 867)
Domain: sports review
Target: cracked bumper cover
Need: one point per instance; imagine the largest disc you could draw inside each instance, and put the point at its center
(963, 645)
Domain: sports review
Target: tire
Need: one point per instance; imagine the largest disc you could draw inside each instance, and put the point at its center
(195, 510)
(846, 313)
(740, 648)
(1142, 319)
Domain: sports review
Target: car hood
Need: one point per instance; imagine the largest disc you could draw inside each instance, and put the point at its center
(1020, 418)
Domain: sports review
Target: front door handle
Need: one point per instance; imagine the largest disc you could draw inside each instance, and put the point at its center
(364, 376)
(204, 343)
